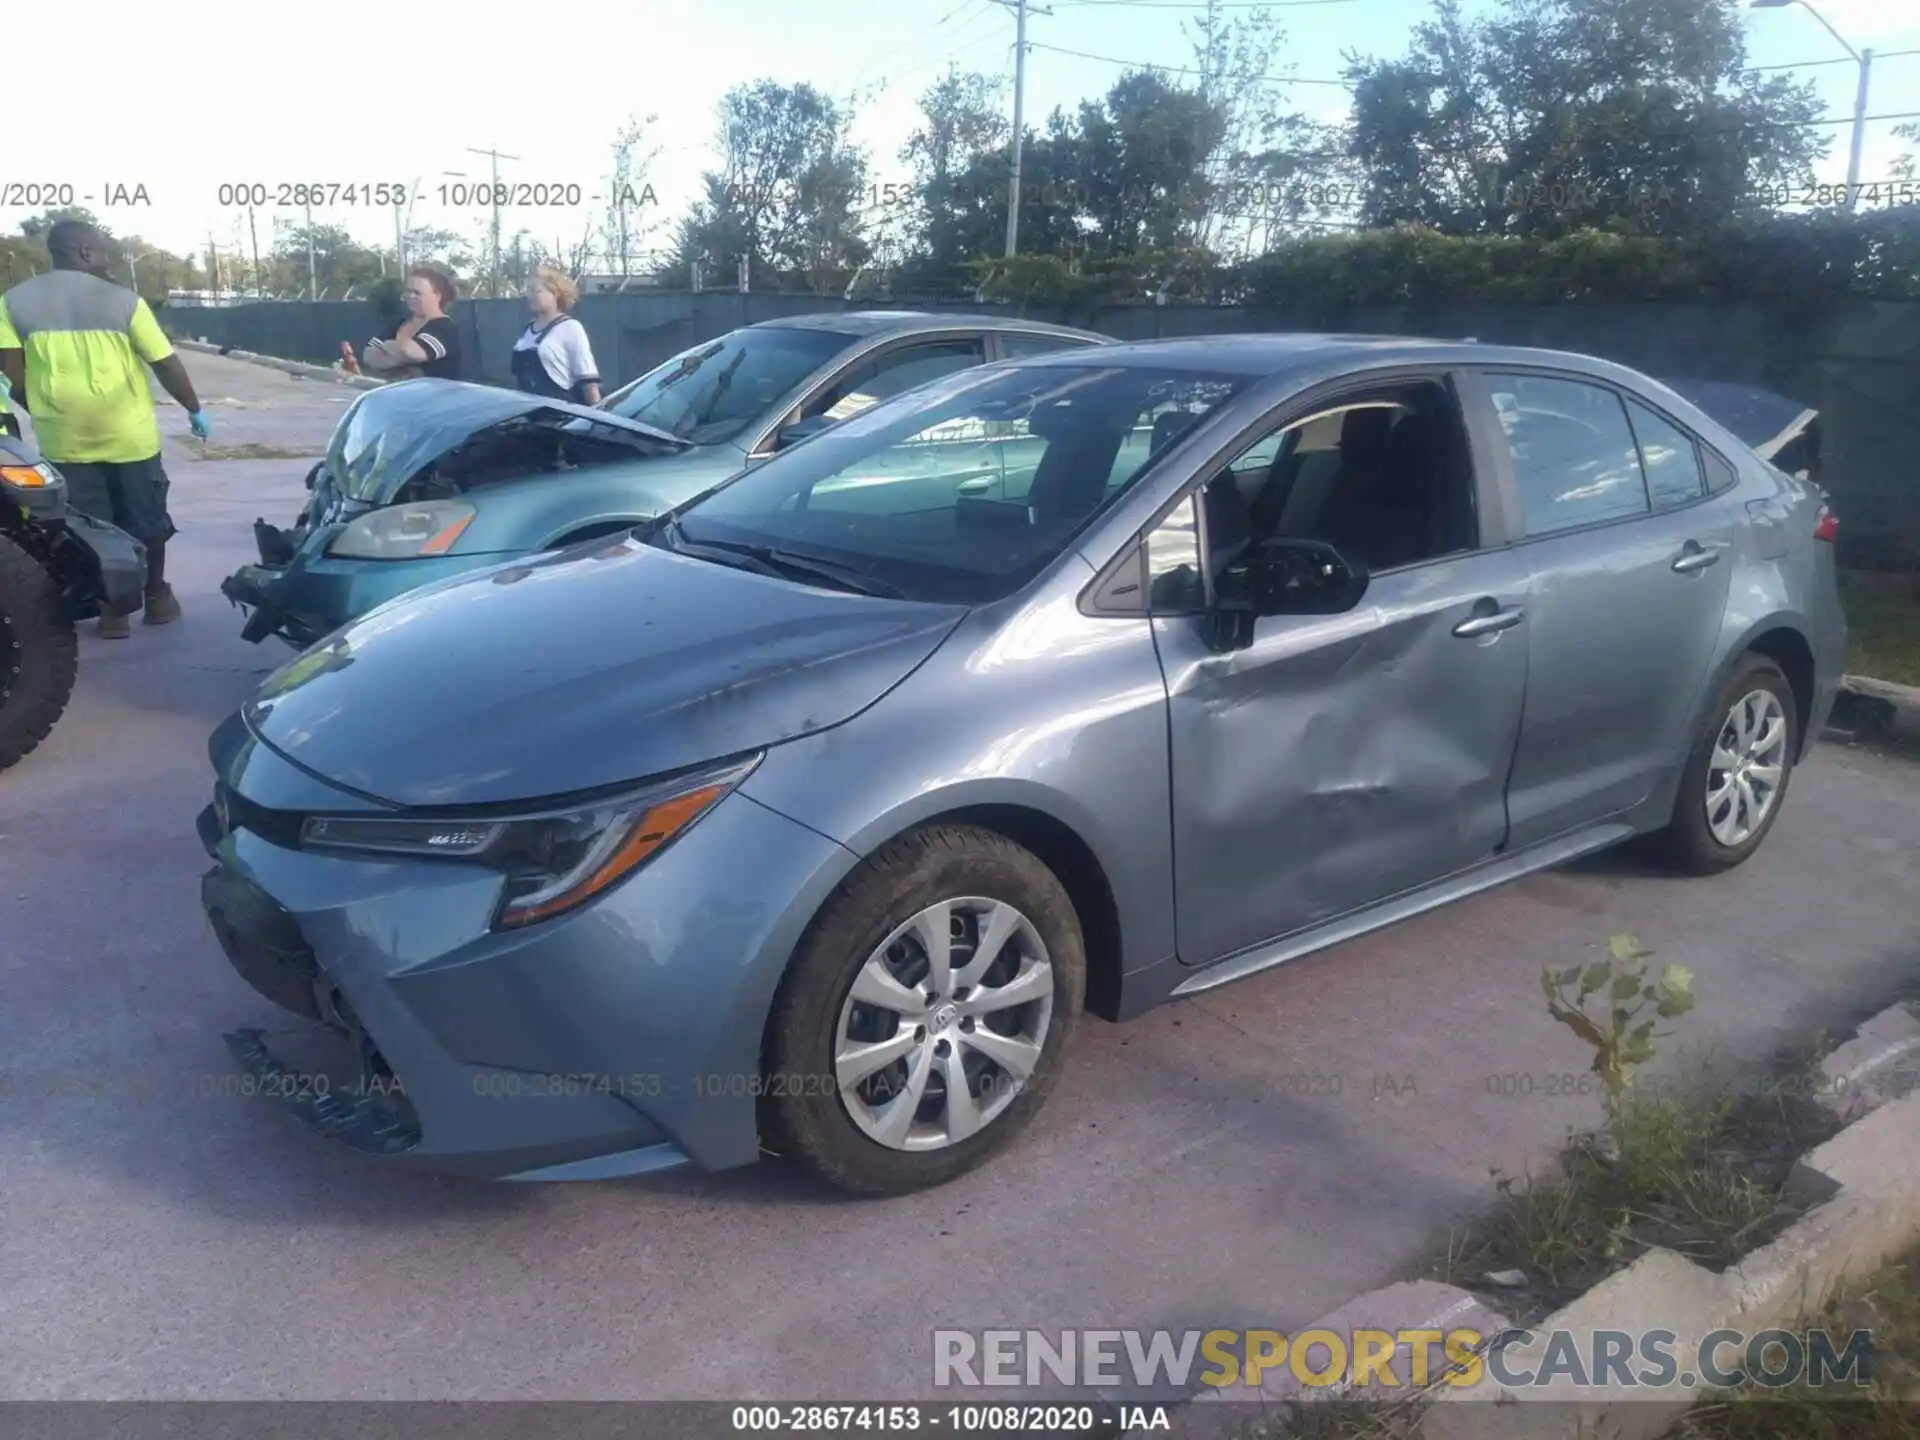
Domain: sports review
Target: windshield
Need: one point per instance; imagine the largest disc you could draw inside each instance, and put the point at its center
(964, 489)
(714, 391)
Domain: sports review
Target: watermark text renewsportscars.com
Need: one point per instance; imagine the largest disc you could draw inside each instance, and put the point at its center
(1366, 1362)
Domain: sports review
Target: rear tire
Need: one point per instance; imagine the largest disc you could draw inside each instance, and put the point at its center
(1737, 772)
(39, 653)
(993, 901)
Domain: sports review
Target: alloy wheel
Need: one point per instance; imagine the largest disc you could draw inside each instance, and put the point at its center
(944, 1024)
(1747, 768)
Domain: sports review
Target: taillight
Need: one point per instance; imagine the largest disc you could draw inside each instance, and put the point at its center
(1828, 526)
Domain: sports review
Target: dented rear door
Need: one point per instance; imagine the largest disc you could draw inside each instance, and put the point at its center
(1342, 759)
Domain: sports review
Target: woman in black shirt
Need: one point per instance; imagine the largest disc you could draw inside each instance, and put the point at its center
(426, 342)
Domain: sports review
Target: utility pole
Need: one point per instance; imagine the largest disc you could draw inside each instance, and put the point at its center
(253, 236)
(313, 284)
(1020, 9)
(494, 157)
(1859, 130)
(1861, 58)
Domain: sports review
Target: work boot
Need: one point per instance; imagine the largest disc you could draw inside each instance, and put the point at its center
(162, 608)
(113, 627)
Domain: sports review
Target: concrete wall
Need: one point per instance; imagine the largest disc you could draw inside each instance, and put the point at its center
(1857, 362)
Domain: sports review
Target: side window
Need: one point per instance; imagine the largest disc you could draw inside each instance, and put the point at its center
(1668, 454)
(1385, 476)
(1174, 585)
(1575, 459)
(895, 373)
(1016, 346)
(1720, 473)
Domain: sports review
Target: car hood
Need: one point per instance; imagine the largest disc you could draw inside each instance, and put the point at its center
(579, 670)
(1766, 423)
(390, 434)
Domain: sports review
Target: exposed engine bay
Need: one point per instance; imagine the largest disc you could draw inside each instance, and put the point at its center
(515, 451)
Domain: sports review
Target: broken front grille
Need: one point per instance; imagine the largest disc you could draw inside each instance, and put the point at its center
(360, 1102)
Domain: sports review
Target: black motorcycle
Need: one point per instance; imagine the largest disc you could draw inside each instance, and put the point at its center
(57, 568)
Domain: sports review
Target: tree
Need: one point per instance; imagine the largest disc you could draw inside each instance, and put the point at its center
(787, 192)
(338, 261)
(1123, 178)
(1904, 164)
(625, 226)
(1274, 166)
(131, 261)
(960, 164)
(448, 249)
(1140, 160)
(1556, 115)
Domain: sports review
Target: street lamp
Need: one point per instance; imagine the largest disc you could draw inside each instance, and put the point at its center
(1862, 58)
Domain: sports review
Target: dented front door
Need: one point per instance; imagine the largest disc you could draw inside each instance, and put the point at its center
(1340, 760)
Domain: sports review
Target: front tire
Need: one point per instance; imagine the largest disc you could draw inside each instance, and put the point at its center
(1737, 772)
(39, 653)
(922, 1022)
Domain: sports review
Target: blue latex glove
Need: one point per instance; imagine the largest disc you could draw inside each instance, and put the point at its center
(199, 424)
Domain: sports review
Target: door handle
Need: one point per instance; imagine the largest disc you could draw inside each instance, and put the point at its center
(1695, 558)
(1492, 624)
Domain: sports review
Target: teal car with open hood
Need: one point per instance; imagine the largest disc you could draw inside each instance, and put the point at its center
(428, 479)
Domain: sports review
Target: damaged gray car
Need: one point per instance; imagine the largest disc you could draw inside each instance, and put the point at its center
(871, 769)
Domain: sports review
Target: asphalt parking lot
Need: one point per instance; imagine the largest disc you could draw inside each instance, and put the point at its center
(1255, 1156)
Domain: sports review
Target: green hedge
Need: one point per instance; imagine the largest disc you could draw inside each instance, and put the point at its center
(1805, 258)
(1784, 258)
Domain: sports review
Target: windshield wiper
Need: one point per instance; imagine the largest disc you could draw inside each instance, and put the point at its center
(785, 563)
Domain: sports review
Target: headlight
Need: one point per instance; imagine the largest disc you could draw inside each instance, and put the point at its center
(404, 532)
(554, 860)
(29, 477)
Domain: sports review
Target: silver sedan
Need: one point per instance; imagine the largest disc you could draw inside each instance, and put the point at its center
(813, 816)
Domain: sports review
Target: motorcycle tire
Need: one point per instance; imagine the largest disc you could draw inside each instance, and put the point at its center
(39, 653)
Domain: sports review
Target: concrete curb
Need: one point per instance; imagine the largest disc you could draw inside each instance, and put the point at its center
(1881, 706)
(1880, 1064)
(291, 367)
(1864, 1185)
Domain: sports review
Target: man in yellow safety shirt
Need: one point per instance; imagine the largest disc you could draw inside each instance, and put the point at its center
(75, 348)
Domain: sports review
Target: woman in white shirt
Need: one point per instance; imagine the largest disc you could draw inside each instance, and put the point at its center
(553, 356)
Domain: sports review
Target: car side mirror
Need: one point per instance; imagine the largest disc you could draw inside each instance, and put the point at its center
(790, 435)
(1282, 577)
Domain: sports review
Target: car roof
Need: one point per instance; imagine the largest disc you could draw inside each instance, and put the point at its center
(1275, 355)
(879, 322)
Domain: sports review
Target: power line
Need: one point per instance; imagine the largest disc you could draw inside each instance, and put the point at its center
(1785, 125)
(1203, 4)
(1878, 56)
(887, 51)
(918, 57)
(961, 46)
(1181, 69)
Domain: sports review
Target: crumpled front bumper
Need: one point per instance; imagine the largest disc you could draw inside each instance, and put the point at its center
(301, 593)
(255, 588)
(621, 1039)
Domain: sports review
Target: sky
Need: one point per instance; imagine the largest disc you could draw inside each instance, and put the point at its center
(334, 102)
